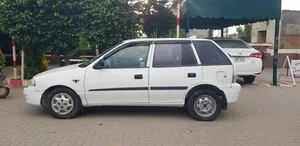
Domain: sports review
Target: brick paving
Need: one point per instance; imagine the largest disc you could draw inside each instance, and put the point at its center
(262, 116)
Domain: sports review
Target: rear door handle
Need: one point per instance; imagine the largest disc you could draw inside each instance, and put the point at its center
(191, 75)
(138, 76)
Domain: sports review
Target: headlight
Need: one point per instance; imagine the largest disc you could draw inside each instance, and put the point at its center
(31, 83)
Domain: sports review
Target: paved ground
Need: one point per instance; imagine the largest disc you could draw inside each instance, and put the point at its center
(263, 115)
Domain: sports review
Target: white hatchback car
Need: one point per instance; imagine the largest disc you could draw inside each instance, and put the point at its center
(194, 73)
(247, 60)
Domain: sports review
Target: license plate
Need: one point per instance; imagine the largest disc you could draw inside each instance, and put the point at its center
(239, 59)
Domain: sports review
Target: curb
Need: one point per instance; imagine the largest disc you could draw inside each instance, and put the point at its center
(16, 83)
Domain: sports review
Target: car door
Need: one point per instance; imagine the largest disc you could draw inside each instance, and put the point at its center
(174, 69)
(123, 78)
(217, 67)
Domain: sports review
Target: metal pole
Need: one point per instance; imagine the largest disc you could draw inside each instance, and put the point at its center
(178, 20)
(275, 59)
(22, 64)
(14, 59)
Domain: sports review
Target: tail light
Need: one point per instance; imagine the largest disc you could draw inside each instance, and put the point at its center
(257, 55)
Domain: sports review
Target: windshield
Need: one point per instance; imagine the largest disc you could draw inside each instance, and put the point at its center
(84, 64)
(232, 44)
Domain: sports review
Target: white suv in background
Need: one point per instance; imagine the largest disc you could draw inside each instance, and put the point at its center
(247, 60)
(194, 73)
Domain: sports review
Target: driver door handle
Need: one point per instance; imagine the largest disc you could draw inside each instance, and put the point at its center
(138, 76)
(191, 75)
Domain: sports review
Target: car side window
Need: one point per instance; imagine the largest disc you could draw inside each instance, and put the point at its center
(132, 56)
(173, 55)
(210, 54)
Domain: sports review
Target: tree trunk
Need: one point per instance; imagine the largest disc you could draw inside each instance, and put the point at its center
(67, 58)
(211, 33)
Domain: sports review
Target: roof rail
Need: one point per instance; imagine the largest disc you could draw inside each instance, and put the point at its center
(193, 37)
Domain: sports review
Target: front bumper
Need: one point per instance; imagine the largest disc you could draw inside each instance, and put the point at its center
(232, 94)
(32, 96)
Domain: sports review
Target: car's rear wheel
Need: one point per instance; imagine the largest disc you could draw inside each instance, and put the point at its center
(249, 79)
(204, 105)
(63, 103)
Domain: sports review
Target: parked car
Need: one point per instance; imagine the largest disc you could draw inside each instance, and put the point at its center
(194, 73)
(247, 60)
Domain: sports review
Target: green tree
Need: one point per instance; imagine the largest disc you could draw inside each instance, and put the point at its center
(157, 17)
(1, 24)
(2, 59)
(67, 17)
(244, 33)
(40, 26)
(27, 22)
(84, 48)
(107, 22)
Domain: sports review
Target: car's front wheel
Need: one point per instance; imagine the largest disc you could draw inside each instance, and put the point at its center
(204, 105)
(63, 103)
(249, 79)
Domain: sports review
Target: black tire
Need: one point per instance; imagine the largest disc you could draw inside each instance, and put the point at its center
(5, 92)
(76, 107)
(249, 79)
(192, 109)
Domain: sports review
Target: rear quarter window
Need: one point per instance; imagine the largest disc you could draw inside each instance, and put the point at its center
(173, 55)
(210, 54)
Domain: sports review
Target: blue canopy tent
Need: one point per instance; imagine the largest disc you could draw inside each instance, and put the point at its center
(218, 14)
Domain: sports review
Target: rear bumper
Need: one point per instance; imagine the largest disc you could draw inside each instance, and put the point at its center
(253, 67)
(32, 96)
(232, 94)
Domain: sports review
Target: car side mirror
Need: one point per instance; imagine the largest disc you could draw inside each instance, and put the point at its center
(100, 64)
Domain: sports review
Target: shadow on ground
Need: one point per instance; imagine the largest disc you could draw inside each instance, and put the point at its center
(135, 111)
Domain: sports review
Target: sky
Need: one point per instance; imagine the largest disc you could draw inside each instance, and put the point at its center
(286, 5)
(291, 4)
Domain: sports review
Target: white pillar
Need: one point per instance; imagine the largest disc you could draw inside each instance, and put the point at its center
(178, 20)
(14, 59)
(22, 65)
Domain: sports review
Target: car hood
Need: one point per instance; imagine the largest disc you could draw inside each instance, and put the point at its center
(56, 70)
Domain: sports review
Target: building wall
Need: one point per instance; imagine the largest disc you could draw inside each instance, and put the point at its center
(199, 33)
(290, 30)
(263, 26)
(290, 42)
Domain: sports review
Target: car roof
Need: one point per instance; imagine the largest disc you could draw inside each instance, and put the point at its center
(165, 39)
(220, 38)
